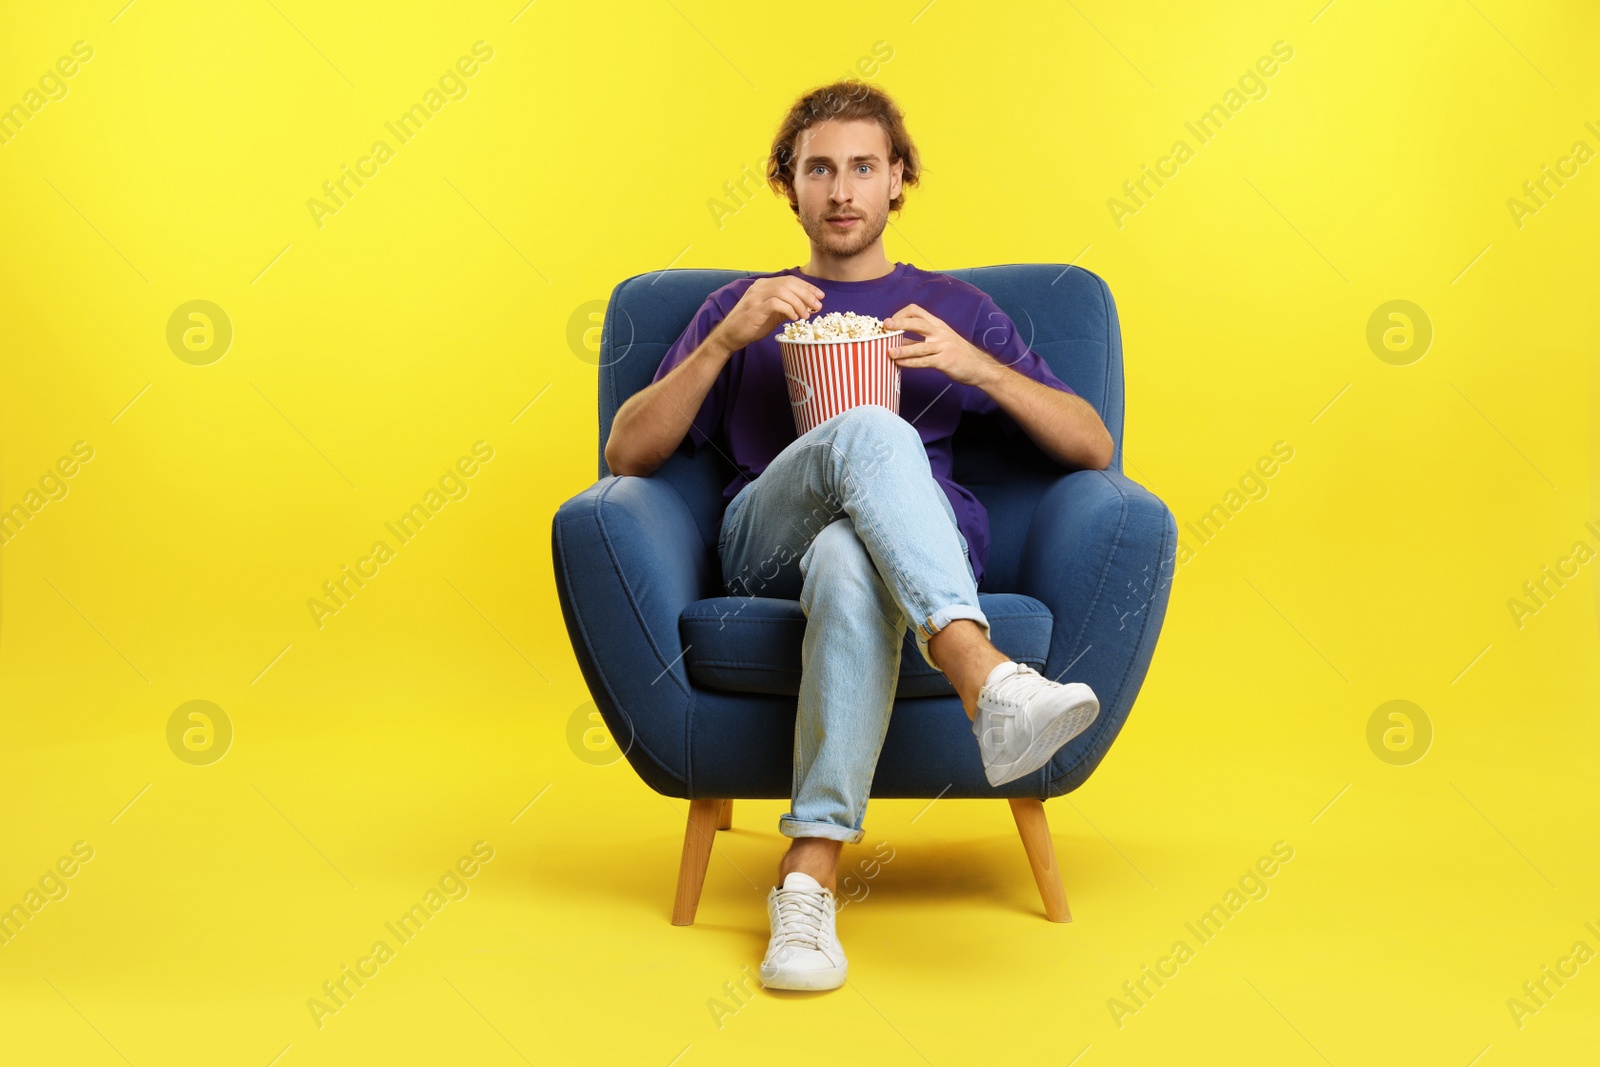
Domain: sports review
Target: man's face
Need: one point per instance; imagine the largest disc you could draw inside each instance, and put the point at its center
(844, 170)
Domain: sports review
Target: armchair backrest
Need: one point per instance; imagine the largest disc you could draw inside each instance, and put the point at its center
(1064, 313)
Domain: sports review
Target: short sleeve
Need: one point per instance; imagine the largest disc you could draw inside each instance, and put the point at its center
(709, 418)
(995, 333)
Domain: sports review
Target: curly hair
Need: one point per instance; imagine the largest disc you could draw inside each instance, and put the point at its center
(845, 101)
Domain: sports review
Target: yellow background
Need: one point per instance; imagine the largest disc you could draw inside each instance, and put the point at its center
(432, 711)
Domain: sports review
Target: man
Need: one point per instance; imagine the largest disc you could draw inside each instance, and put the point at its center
(859, 519)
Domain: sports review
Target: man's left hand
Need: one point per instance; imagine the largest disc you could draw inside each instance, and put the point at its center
(940, 347)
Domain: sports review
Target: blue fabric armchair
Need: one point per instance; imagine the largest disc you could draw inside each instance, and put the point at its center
(700, 689)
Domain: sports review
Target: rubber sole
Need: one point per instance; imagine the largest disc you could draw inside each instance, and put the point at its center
(832, 978)
(1049, 740)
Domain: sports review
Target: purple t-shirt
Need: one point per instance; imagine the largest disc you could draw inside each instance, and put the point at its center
(746, 413)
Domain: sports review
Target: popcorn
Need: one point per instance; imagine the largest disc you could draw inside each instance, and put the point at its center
(834, 326)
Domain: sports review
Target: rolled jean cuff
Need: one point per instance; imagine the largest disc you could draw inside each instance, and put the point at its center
(789, 826)
(940, 619)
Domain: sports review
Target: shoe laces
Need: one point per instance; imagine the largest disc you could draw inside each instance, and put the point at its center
(1017, 688)
(801, 915)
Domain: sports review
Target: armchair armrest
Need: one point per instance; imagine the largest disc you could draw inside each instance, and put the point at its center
(628, 559)
(1101, 552)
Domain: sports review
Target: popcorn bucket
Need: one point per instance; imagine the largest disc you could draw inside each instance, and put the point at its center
(827, 377)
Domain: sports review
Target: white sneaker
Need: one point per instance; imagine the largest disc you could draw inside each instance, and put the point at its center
(1023, 718)
(804, 952)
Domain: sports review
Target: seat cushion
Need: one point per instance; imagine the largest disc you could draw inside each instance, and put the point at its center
(752, 644)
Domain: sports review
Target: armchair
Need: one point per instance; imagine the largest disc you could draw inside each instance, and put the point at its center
(701, 689)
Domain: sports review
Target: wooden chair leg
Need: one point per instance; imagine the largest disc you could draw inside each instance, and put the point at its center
(1035, 831)
(725, 822)
(703, 818)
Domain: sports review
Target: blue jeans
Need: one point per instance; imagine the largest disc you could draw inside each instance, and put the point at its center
(849, 520)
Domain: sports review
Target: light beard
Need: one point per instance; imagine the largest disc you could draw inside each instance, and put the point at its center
(850, 242)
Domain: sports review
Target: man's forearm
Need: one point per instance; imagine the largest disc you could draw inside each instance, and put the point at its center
(1064, 425)
(652, 422)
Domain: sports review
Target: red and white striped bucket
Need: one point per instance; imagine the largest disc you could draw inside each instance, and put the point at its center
(827, 377)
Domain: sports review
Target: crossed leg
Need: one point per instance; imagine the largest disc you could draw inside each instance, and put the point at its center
(850, 513)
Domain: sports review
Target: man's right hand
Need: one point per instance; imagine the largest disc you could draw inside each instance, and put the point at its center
(767, 303)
